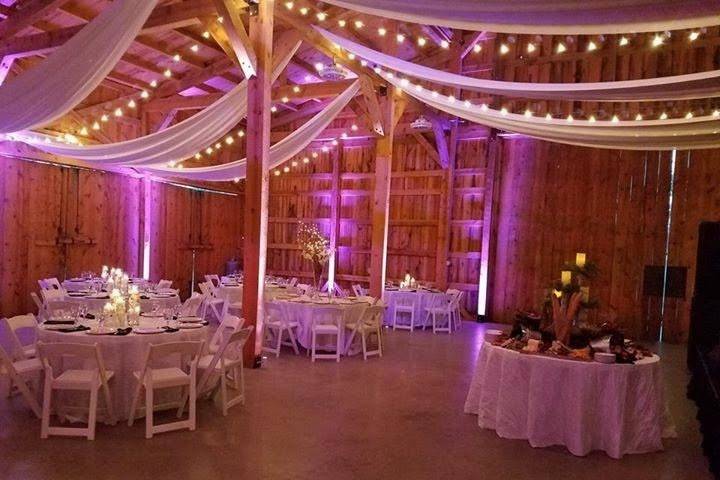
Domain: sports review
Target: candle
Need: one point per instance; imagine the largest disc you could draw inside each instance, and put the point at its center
(557, 293)
(585, 291)
(580, 259)
(566, 277)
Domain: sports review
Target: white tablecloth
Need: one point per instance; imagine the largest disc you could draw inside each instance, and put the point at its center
(586, 406)
(123, 355)
(303, 314)
(423, 299)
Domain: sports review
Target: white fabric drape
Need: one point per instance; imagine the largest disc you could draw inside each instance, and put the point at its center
(566, 17)
(279, 153)
(176, 143)
(677, 87)
(69, 74)
(651, 135)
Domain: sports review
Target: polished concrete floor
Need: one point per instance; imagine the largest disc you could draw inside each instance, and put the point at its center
(397, 417)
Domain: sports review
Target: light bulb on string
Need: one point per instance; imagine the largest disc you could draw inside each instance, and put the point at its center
(445, 44)
(657, 40)
(198, 156)
(528, 113)
(693, 36)
(277, 173)
(96, 126)
(289, 5)
(569, 118)
(167, 73)
(273, 109)
(195, 48)
(294, 163)
(716, 113)
(591, 46)
(131, 104)
(284, 99)
(477, 48)
(351, 56)
(615, 119)
(321, 16)
(296, 89)
(209, 150)
(334, 142)
(176, 57)
(354, 127)
(663, 116)
(400, 38)
(548, 117)
(83, 131)
(118, 112)
(561, 48)
(421, 41)
(314, 155)
(206, 34)
(306, 160)
(689, 115)
(303, 11)
(153, 83)
(382, 31)
(229, 140)
(504, 49)
(241, 133)
(144, 94)
(359, 24)
(531, 47)
(218, 145)
(363, 63)
(286, 169)
(591, 119)
(638, 117)
(623, 41)
(104, 118)
(341, 23)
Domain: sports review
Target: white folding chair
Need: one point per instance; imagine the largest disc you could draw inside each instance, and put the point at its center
(232, 299)
(370, 322)
(403, 305)
(440, 312)
(227, 362)
(151, 378)
(214, 281)
(22, 326)
(92, 379)
(53, 284)
(293, 281)
(191, 306)
(230, 324)
(277, 323)
(459, 295)
(303, 288)
(339, 291)
(326, 320)
(60, 308)
(21, 372)
(38, 303)
(164, 284)
(211, 301)
(52, 295)
(358, 290)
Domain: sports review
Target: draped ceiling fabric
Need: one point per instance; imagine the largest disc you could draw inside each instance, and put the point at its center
(552, 17)
(652, 135)
(54, 87)
(175, 143)
(279, 153)
(678, 87)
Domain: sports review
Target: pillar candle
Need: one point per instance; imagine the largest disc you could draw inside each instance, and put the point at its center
(566, 277)
(580, 259)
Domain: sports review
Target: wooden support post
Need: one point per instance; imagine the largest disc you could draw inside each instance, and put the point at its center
(336, 157)
(392, 111)
(256, 181)
(487, 246)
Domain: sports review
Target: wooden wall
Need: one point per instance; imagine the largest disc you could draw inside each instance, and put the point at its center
(58, 222)
(420, 196)
(557, 200)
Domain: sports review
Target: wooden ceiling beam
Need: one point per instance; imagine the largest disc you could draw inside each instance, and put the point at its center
(373, 105)
(474, 39)
(237, 36)
(163, 18)
(31, 12)
(309, 91)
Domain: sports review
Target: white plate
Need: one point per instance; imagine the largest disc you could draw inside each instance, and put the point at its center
(100, 331)
(147, 330)
(57, 327)
(151, 315)
(189, 326)
(190, 320)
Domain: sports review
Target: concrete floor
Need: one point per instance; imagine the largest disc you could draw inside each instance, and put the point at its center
(396, 417)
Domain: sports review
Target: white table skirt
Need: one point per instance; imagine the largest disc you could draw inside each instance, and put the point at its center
(586, 406)
(123, 355)
(303, 314)
(423, 299)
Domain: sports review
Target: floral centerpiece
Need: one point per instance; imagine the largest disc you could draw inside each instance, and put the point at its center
(316, 248)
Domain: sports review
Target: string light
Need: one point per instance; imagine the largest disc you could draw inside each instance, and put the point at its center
(657, 40)
(303, 11)
(528, 113)
(104, 118)
(218, 146)
(359, 24)
(663, 116)
(561, 48)
(198, 156)
(289, 5)
(484, 107)
(451, 99)
(421, 41)
(273, 109)
(195, 48)
(418, 87)
(404, 82)
(503, 111)
(591, 119)
(548, 117)
(342, 23)
(221, 19)
(206, 34)
(325, 148)
(400, 38)
(363, 63)
(615, 119)
(277, 173)
(591, 46)
(229, 140)
(167, 73)
(176, 57)
(354, 127)
(444, 44)
(286, 169)
(84, 131)
(689, 115)
(131, 104)
(467, 104)
(531, 47)
(306, 160)
(284, 99)
(294, 163)
(716, 113)
(693, 36)
(477, 48)
(153, 83)
(321, 16)
(504, 49)
(241, 133)
(96, 126)
(296, 89)
(314, 155)
(382, 31)
(623, 41)
(343, 135)
(570, 118)
(334, 142)
(638, 117)
(144, 94)
(319, 67)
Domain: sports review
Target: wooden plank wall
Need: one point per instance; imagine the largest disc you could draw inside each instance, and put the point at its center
(557, 200)
(59, 222)
(418, 196)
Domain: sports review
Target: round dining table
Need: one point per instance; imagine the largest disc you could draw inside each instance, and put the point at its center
(148, 303)
(583, 405)
(301, 309)
(422, 298)
(123, 355)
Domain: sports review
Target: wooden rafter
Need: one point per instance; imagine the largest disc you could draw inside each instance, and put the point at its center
(431, 151)
(31, 12)
(237, 36)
